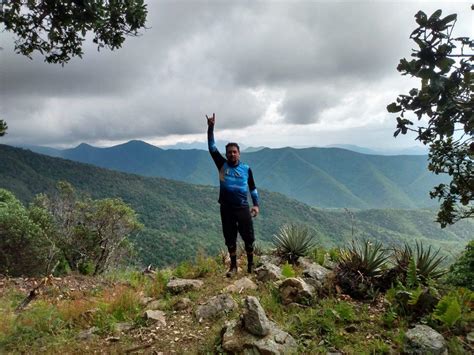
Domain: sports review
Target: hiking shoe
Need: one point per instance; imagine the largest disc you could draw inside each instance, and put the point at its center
(232, 271)
(249, 268)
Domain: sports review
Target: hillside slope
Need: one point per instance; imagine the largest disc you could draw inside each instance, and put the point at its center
(320, 177)
(181, 218)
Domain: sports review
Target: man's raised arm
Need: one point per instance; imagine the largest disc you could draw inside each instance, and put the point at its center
(219, 160)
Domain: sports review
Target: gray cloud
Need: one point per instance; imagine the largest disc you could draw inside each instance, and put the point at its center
(200, 57)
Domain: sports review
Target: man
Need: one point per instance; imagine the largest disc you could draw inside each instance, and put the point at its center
(236, 180)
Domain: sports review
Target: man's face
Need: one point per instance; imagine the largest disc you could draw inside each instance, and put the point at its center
(232, 154)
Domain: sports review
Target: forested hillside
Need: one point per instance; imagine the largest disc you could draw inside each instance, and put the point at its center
(320, 177)
(180, 218)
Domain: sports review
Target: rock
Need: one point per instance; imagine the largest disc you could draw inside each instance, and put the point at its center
(242, 284)
(157, 316)
(123, 327)
(182, 304)
(255, 320)
(268, 272)
(182, 285)
(236, 339)
(424, 340)
(296, 290)
(470, 337)
(87, 334)
(157, 304)
(145, 300)
(215, 306)
(317, 272)
(270, 259)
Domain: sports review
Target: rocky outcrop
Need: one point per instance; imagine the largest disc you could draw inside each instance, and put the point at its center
(424, 340)
(254, 318)
(215, 306)
(296, 290)
(268, 272)
(182, 285)
(254, 333)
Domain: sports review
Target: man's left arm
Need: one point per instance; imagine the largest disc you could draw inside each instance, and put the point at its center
(254, 211)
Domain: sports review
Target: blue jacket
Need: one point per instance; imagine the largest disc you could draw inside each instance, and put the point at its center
(235, 180)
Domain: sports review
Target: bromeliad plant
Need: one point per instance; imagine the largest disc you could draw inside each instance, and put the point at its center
(361, 267)
(293, 241)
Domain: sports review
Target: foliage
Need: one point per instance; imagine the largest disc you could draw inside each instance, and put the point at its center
(57, 29)
(419, 266)
(445, 100)
(3, 128)
(287, 270)
(293, 241)
(26, 238)
(461, 273)
(360, 268)
(92, 234)
(412, 302)
(454, 310)
(182, 218)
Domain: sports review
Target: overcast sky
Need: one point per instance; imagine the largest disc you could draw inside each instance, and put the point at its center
(276, 73)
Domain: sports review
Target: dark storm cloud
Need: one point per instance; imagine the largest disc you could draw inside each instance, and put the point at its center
(199, 57)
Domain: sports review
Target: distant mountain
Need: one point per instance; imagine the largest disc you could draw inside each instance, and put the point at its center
(321, 177)
(363, 150)
(181, 218)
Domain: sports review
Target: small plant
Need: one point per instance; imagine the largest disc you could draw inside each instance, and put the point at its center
(287, 270)
(360, 268)
(293, 241)
(454, 310)
(423, 263)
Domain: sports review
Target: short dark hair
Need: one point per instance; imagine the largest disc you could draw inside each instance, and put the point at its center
(232, 144)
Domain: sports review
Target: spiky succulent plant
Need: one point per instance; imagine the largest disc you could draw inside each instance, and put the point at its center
(293, 241)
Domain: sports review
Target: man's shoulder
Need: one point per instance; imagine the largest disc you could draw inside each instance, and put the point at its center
(244, 165)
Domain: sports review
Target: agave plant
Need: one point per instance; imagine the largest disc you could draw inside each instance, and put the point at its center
(361, 267)
(293, 241)
(426, 262)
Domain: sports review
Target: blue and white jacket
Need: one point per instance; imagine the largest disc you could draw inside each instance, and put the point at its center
(235, 180)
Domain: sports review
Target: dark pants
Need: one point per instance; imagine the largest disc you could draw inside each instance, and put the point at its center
(237, 220)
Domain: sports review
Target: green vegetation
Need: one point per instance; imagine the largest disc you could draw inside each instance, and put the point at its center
(180, 219)
(3, 128)
(444, 100)
(320, 177)
(58, 29)
(83, 235)
(361, 268)
(461, 273)
(293, 241)
(334, 322)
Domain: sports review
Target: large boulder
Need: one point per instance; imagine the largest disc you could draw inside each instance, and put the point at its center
(255, 334)
(424, 340)
(268, 272)
(182, 285)
(254, 318)
(237, 340)
(215, 306)
(316, 272)
(296, 290)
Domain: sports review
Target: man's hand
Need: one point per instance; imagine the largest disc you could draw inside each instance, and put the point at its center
(211, 121)
(254, 211)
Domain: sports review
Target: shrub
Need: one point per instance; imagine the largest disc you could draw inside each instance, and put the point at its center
(360, 268)
(293, 241)
(461, 273)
